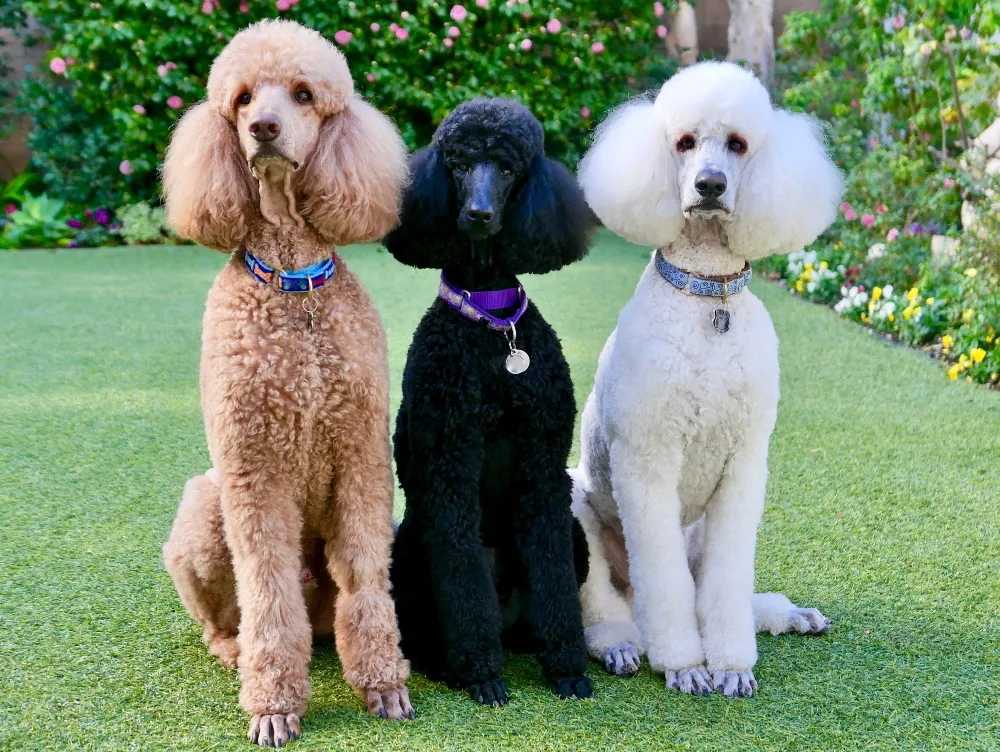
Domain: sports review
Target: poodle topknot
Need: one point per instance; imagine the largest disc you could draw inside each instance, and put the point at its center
(777, 189)
(498, 129)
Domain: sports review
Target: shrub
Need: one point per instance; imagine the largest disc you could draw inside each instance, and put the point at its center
(142, 223)
(121, 72)
(39, 223)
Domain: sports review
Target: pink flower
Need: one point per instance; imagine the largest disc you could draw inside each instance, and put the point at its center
(453, 32)
(171, 65)
(370, 77)
(483, 3)
(405, 16)
(899, 22)
(458, 13)
(854, 103)
(658, 9)
(376, 28)
(244, 8)
(283, 5)
(597, 48)
(892, 234)
(845, 206)
(10, 209)
(70, 61)
(585, 112)
(867, 219)
(393, 26)
(139, 109)
(553, 26)
(343, 38)
(161, 70)
(850, 215)
(57, 66)
(402, 34)
(125, 168)
(873, 142)
(448, 43)
(175, 102)
(881, 209)
(526, 45)
(948, 183)
(206, 8)
(661, 31)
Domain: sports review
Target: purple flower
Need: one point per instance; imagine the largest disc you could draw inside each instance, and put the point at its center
(915, 228)
(102, 217)
(72, 244)
(76, 224)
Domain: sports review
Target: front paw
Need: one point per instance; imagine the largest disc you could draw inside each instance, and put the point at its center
(492, 692)
(735, 683)
(274, 730)
(807, 621)
(393, 704)
(577, 687)
(691, 681)
(621, 659)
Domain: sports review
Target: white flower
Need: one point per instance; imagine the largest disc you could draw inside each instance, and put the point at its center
(887, 291)
(877, 251)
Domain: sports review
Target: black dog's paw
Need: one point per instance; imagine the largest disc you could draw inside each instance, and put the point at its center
(491, 692)
(577, 688)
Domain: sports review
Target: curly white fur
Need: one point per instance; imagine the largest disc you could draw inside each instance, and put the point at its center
(675, 432)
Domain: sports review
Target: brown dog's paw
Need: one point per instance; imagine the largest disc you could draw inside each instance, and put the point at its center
(274, 730)
(226, 650)
(393, 704)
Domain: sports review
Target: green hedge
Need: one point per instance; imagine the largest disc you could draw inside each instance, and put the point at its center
(121, 72)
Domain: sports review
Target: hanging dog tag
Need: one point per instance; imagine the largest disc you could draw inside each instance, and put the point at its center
(720, 320)
(518, 360)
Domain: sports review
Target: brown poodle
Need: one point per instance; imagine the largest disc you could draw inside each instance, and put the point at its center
(282, 162)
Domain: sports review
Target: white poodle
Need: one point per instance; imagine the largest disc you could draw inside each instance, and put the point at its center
(675, 433)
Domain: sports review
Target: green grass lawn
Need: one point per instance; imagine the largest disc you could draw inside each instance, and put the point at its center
(882, 512)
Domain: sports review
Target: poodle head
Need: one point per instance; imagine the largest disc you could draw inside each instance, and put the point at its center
(281, 105)
(484, 192)
(711, 146)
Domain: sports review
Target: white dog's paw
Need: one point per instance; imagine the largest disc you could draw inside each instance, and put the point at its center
(691, 681)
(807, 621)
(734, 683)
(621, 659)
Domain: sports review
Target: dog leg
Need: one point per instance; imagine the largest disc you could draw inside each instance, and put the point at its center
(726, 573)
(358, 552)
(263, 526)
(611, 635)
(198, 560)
(774, 613)
(646, 489)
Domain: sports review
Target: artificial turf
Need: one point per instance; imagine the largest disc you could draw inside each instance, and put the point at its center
(882, 512)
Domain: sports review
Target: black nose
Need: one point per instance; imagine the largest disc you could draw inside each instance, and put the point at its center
(265, 128)
(710, 184)
(479, 215)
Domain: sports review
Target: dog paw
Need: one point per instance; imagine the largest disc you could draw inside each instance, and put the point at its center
(621, 659)
(691, 681)
(735, 683)
(393, 704)
(492, 692)
(226, 650)
(274, 730)
(808, 621)
(577, 688)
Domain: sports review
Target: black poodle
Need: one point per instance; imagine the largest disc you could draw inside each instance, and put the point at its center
(488, 554)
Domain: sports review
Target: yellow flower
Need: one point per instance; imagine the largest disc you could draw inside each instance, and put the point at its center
(946, 341)
(967, 315)
(823, 265)
(912, 294)
(953, 373)
(971, 272)
(962, 358)
(876, 293)
(929, 301)
(808, 267)
(798, 286)
(908, 312)
(891, 317)
(917, 311)
(978, 354)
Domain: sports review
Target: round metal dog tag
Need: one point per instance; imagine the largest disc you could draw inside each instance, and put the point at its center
(517, 362)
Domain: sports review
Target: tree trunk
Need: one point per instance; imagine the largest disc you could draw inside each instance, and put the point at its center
(682, 37)
(751, 35)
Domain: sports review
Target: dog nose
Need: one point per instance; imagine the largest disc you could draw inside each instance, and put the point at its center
(479, 215)
(710, 183)
(265, 128)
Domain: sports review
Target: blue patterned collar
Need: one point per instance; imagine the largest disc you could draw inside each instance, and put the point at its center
(712, 287)
(301, 280)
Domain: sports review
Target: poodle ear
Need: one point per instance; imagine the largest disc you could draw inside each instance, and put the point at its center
(549, 224)
(351, 184)
(789, 192)
(630, 179)
(427, 236)
(207, 186)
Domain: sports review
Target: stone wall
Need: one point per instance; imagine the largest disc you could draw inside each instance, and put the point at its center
(13, 151)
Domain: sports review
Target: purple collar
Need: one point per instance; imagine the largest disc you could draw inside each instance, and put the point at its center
(476, 306)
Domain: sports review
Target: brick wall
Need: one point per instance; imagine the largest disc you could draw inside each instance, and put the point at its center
(13, 151)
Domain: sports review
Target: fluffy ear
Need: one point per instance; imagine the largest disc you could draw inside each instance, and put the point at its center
(548, 224)
(789, 192)
(207, 186)
(630, 179)
(428, 236)
(349, 189)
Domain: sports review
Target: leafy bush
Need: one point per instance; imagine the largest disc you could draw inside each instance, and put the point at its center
(121, 72)
(142, 223)
(40, 222)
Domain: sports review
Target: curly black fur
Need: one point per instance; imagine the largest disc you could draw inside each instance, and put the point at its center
(488, 554)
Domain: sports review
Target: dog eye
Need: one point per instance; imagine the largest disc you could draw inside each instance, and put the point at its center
(243, 99)
(505, 171)
(303, 95)
(461, 168)
(685, 143)
(737, 145)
